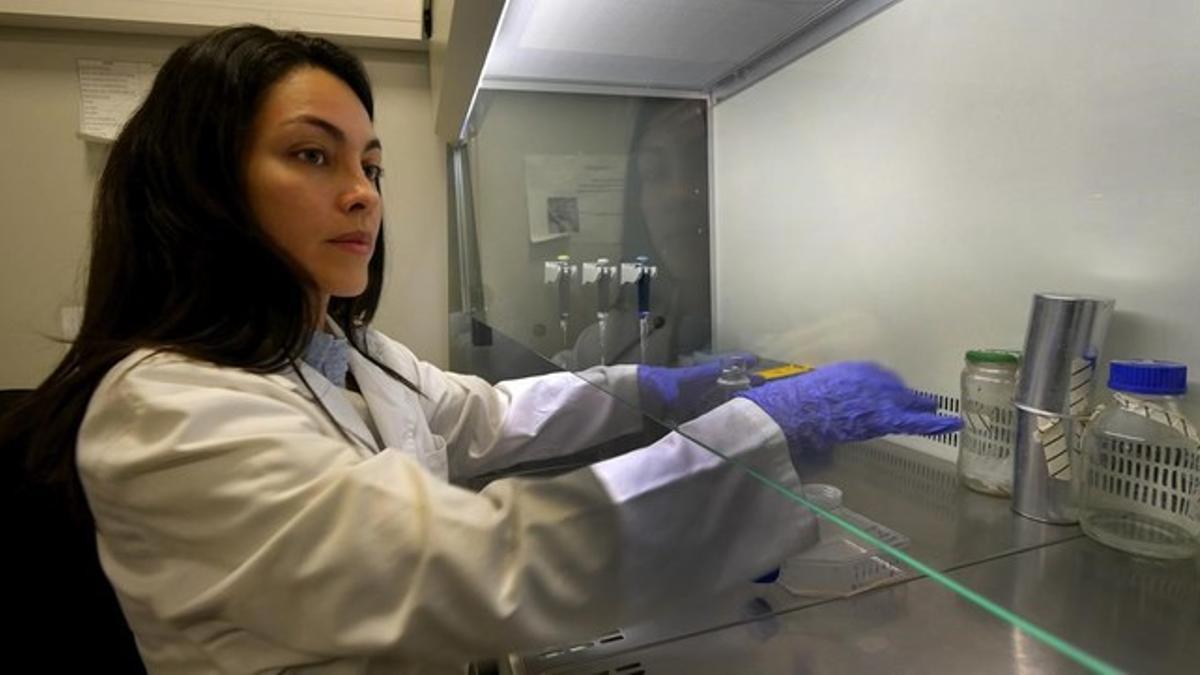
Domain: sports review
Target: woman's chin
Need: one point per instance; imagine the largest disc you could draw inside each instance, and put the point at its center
(348, 290)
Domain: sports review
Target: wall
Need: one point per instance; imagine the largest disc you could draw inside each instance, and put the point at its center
(368, 23)
(47, 177)
(910, 184)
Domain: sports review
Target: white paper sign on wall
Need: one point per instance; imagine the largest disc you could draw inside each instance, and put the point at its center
(109, 92)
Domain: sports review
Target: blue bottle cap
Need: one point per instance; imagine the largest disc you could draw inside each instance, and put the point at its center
(1156, 378)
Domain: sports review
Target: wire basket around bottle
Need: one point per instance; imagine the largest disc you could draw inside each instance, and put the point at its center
(989, 431)
(1161, 481)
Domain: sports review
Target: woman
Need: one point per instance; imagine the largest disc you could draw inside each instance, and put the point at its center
(273, 485)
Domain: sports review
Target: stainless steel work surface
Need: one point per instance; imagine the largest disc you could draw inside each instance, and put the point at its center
(909, 492)
(1138, 615)
(919, 496)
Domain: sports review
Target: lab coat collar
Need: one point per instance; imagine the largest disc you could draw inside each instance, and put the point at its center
(331, 396)
(392, 407)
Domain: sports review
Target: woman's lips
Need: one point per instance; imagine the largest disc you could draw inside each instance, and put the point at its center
(359, 243)
(353, 247)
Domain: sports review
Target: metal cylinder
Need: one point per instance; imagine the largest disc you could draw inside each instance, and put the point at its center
(1062, 350)
(1042, 486)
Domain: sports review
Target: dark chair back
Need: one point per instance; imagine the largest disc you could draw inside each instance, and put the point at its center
(67, 618)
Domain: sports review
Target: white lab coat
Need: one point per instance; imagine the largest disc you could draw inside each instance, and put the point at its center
(243, 533)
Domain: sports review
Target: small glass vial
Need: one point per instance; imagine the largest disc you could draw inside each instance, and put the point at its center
(1139, 483)
(985, 449)
(734, 377)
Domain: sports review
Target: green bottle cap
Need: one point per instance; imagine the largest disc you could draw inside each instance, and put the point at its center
(1002, 356)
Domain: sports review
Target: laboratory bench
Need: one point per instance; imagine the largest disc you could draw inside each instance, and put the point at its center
(1133, 614)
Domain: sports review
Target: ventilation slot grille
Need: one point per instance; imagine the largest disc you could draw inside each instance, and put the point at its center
(947, 405)
(548, 656)
(933, 484)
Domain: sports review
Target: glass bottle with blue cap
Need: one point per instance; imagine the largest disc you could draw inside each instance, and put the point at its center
(1139, 487)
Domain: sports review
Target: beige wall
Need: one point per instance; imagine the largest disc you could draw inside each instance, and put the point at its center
(47, 176)
(414, 309)
(361, 22)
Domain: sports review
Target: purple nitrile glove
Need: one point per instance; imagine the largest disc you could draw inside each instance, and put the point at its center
(845, 402)
(680, 393)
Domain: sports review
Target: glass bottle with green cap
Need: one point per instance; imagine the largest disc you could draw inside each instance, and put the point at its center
(985, 449)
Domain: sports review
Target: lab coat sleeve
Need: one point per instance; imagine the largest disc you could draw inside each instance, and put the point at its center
(489, 427)
(228, 512)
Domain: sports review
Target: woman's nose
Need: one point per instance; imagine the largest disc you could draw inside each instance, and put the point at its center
(360, 194)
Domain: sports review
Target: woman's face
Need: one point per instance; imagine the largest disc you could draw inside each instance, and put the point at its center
(672, 165)
(312, 167)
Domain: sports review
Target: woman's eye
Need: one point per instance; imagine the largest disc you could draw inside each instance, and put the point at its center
(373, 172)
(312, 156)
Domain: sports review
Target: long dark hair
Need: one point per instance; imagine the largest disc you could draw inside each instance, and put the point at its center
(178, 262)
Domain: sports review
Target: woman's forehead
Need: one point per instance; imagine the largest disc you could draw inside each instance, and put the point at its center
(314, 92)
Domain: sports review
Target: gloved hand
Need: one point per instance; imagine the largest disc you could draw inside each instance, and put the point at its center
(844, 402)
(680, 393)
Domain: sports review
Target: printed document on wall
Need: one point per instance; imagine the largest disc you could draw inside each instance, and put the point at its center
(109, 92)
(579, 196)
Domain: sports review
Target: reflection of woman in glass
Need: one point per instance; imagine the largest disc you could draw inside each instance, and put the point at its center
(666, 219)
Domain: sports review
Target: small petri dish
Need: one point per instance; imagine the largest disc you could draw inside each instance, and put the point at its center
(824, 496)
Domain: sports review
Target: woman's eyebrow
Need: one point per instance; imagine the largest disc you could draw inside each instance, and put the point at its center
(331, 129)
